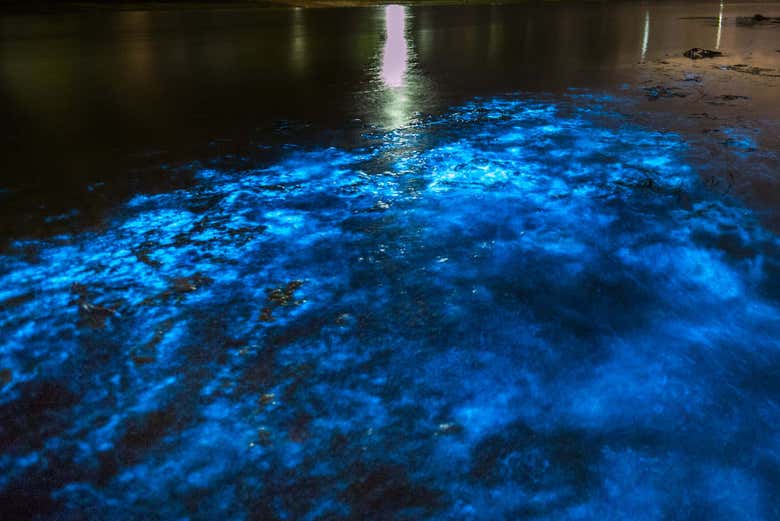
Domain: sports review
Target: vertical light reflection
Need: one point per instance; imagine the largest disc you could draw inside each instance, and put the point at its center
(720, 27)
(396, 53)
(298, 42)
(645, 36)
(496, 33)
(394, 67)
(136, 46)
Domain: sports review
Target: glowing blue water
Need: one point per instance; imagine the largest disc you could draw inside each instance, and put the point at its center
(521, 309)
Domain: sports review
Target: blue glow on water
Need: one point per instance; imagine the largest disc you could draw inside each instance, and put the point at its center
(524, 308)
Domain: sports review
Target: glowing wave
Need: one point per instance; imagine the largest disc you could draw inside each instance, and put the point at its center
(521, 308)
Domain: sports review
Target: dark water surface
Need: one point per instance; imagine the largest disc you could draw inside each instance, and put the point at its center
(107, 97)
(490, 262)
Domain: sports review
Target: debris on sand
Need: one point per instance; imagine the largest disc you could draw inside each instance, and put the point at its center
(703, 115)
(660, 91)
(746, 69)
(267, 399)
(142, 360)
(147, 353)
(689, 76)
(723, 99)
(281, 296)
(267, 315)
(449, 429)
(698, 53)
(757, 19)
(189, 284)
(142, 255)
(92, 315)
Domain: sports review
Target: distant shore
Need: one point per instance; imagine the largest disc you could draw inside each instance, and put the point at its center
(76, 5)
(133, 5)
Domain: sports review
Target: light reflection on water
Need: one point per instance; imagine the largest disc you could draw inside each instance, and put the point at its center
(247, 69)
(645, 36)
(298, 42)
(395, 54)
(394, 67)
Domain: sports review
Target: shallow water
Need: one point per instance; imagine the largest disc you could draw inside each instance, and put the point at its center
(546, 304)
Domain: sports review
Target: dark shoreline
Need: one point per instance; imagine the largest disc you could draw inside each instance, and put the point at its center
(47, 6)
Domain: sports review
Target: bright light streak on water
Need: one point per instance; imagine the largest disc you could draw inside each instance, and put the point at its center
(298, 41)
(720, 26)
(645, 36)
(395, 53)
(522, 308)
(394, 68)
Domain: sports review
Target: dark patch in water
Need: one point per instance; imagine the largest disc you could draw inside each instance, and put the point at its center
(27, 421)
(386, 492)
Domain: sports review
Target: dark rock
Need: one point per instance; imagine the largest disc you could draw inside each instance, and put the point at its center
(697, 53)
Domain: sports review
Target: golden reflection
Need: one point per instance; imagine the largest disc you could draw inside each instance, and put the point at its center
(720, 27)
(298, 42)
(137, 47)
